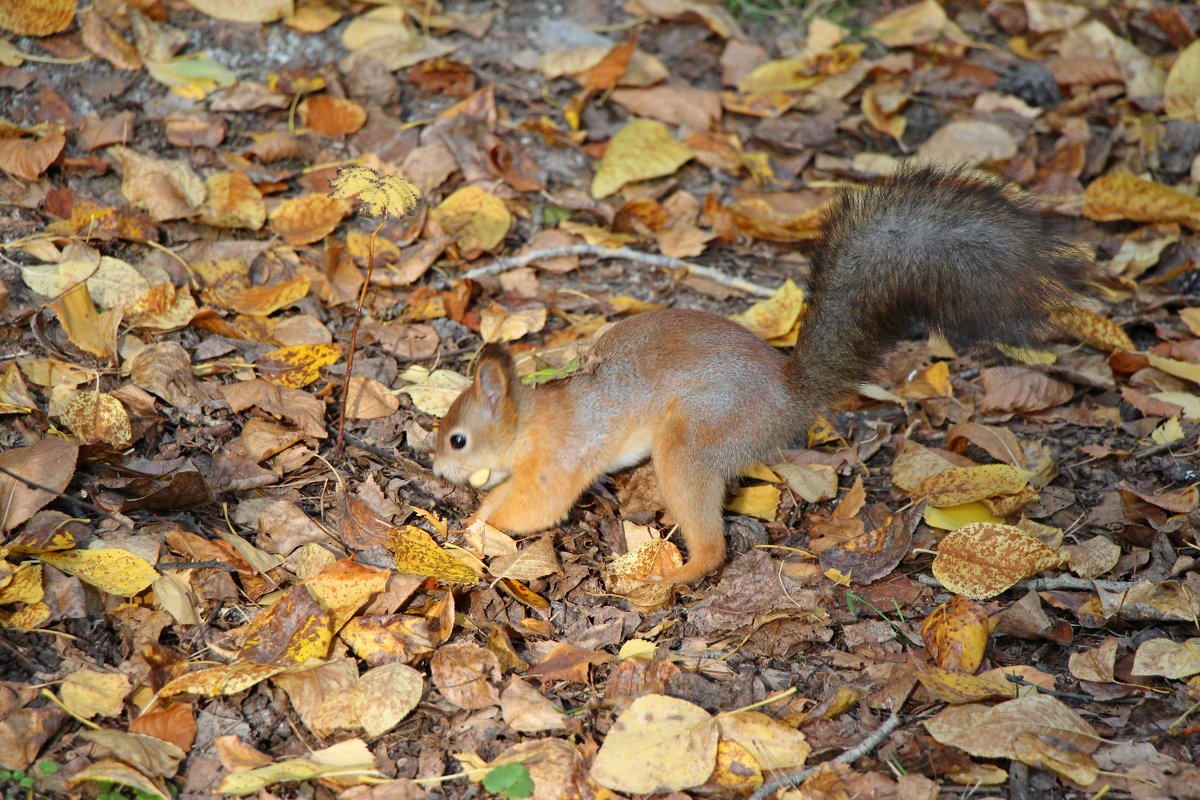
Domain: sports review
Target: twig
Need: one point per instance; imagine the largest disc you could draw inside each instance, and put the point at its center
(1050, 584)
(600, 251)
(74, 501)
(358, 312)
(195, 565)
(796, 777)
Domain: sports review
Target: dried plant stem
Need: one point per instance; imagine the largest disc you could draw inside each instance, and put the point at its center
(629, 254)
(358, 312)
(850, 756)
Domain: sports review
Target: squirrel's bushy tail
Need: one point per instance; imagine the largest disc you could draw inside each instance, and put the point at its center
(925, 250)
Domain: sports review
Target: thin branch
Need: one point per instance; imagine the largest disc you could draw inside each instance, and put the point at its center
(850, 756)
(629, 254)
(358, 312)
(1050, 584)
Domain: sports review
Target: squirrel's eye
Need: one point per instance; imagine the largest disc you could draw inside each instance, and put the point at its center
(458, 441)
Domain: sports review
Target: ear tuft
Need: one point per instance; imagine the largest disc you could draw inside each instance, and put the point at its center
(495, 374)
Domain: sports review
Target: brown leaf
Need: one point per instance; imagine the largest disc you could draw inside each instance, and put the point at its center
(49, 462)
(335, 117)
(1008, 389)
(464, 673)
(104, 40)
(27, 159)
(307, 219)
(565, 662)
(990, 732)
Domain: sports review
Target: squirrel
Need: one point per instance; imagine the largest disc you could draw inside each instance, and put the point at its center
(928, 249)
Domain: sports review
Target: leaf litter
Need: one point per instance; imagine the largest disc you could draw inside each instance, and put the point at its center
(1009, 547)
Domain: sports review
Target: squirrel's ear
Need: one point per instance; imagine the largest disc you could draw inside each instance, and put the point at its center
(495, 373)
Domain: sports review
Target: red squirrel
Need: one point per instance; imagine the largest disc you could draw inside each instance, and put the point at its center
(927, 249)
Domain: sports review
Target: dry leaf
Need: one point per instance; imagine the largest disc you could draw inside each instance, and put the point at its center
(642, 150)
(1123, 196)
(464, 673)
(956, 635)
(983, 559)
(658, 744)
(475, 219)
(307, 219)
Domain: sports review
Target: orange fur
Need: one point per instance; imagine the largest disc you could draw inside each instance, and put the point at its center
(926, 250)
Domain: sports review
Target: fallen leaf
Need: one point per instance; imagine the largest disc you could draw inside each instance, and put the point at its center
(96, 417)
(1096, 665)
(956, 635)
(1163, 657)
(418, 554)
(1124, 196)
(47, 462)
(385, 695)
(983, 559)
(464, 673)
(307, 219)
(658, 744)
(109, 569)
(89, 693)
(991, 732)
(475, 219)
(642, 150)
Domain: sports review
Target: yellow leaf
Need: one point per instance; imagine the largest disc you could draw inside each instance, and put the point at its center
(637, 648)
(298, 365)
(756, 501)
(1093, 329)
(36, 17)
(233, 201)
(1180, 369)
(982, 559)
(773, 744)
(393, 194)
(96, 417)
(1190, 403)
(1181, 94)
(307, 219)
(659, 744)
(782, 75)
(1026, 355)
(344, 586)
(498, 324)
(91, 332)
(386, 695)
(1124, 196)
(1168, 433)
(476, 219)
(959, 485)
(920, 23)
(433, 392)
(956, 635)
(259, 300)
(225, 679)
(776, 315)
(349, 760)
(89, 693)
(109, 569)
(642, 150)
(953, 517)
(418, 554)
(110, 770)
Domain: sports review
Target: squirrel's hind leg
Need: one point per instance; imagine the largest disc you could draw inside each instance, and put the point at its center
(694, 493)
